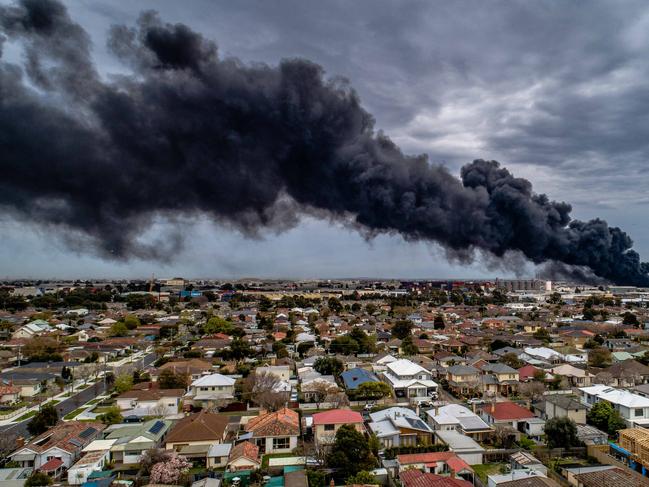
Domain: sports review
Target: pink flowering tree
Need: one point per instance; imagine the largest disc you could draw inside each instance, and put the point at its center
(169, 471)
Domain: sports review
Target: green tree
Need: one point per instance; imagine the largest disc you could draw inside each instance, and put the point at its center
(497, 344)
(438, 323)
(334, 305)
(118, 329)
(328, 366)
(350, 452)
(366, 343)
(561, 432)
(630, 319)
(112, 416)
(401, 329)
(43, 420)
(38, 479)
(169, 379)
(599, 357)
(512, 360)
(599, 414)
(123, 383)
(615, 423)
(217, 324)
(542, 334)
(371, 390)
(239, 349)
(344, 345)
(362, 478)
(408, 348)
(131, 322)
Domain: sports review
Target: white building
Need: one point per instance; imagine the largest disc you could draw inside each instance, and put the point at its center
(91, 462)
(211, 389)
(409, 380)
(634, 408)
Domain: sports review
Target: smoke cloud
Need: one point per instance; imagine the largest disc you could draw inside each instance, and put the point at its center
(253, 146)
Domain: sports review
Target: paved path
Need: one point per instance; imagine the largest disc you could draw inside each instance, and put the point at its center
(67, 405)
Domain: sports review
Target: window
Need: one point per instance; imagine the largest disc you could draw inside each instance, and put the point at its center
(329, 427)
(639, 413)
(281, 443)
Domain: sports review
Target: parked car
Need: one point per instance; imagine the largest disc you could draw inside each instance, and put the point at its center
(369, 406)
(477, 401)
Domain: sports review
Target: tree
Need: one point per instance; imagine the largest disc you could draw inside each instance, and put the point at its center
(615, 423)
(531, 390)
(131, 322)
(542, 334)
(504, 435)
(362, 478)
(170, 379)
(217, 324)
(408, 348)
(344, 345)
(598, 415)
(43, 420)
(328, 366)
(37, 479)
(170, 471)
(123, 383)
(438, 323)
(630, 319)
(599, 357)
(334, 305)
(402, 329)
(512, 360)
(366, 343)
(561, 432)
(151, 457)
(350, 452)
(118, 329)
(263, 389)
(239, 349)
(555, 298)
(112, 416)
(371, 390)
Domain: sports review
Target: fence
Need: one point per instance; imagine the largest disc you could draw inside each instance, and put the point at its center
(13, 414)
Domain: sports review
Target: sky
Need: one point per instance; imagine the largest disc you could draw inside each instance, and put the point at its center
(555, 90)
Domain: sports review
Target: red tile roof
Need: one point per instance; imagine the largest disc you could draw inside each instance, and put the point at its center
(284, 422)
(526, 372)
(245, 450)
(415, 478)
(337, 416)
(504, 411)
(429, 457)
(51, 465)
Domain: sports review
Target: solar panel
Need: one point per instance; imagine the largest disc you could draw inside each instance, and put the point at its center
(158, 425)
(75, 442)
(87, 432)
(416, 423)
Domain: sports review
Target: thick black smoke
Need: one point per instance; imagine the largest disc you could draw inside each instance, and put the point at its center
(254, 146)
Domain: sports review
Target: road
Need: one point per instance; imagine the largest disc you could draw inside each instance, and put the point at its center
(71, 403)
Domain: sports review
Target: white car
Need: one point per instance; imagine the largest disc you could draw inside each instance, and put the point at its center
(477, 400)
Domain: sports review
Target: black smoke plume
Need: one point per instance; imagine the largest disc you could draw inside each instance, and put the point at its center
(254, 146)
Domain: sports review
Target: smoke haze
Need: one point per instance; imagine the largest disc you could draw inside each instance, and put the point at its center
(254, 146)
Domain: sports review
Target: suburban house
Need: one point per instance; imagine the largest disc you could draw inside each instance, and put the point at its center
(133, 439)
(463, 446)
(193, 435)
(192, 368)
(505, 413)
(629, 373)
(499, 379)
(634, 408)
(150, 402)
(91, 462)
(455, 417)
(440, 463)
(211, 391)
(576, 377)
(561, 406)
(274, 432)
(218, 455)
(353, 378)
(327, 423)
(244, 456)
(409, 380)
(58, 447)
(9, 394)
(463, 379)
(417, 478)
(398, 426)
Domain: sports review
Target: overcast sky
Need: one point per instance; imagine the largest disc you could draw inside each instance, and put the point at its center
(556, 91)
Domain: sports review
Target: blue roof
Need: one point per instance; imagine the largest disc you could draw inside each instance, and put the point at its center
(357, 376)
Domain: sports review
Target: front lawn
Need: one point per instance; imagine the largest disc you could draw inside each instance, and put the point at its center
(27, 416)
(75, 413)
(486, 469)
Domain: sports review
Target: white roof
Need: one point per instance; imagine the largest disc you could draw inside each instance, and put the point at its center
(617, 396)
(457, 442)
(546, 353)
(219, 450)
(213, 380)
(99, 445)
(405, 367)
(386, 360)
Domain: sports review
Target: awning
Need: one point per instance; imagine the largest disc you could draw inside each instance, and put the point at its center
(52, 465)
